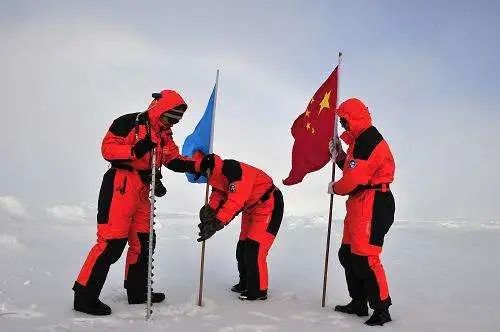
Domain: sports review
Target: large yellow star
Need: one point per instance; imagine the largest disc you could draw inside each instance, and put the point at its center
(325, 103)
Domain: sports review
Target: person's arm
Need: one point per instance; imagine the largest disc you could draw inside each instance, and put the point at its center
(358, 172)
(115, 144)
(217, 198)
(174, 161)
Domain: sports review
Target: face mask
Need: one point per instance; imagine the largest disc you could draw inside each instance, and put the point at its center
(344, 124)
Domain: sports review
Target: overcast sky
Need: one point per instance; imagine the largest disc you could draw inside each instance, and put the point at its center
(428, 71)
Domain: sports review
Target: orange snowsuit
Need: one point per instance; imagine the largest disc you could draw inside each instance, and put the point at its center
(238, 187)
(123, 205)
(368, 169)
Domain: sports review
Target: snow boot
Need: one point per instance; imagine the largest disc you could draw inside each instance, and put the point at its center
(239, 288)
(142, 298)
(357, 307)
(262, 295)
(94, 307)
(379, 317)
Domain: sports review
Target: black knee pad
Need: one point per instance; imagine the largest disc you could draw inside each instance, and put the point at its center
(361, 266)
(114, 249)
(345, 255)
(144, 240)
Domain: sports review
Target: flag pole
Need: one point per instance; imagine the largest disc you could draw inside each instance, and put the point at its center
(330, 213)
(207, 187)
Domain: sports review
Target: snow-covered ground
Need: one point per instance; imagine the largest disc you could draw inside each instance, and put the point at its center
(444, 276)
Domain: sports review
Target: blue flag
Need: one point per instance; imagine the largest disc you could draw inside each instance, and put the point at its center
(201, 138)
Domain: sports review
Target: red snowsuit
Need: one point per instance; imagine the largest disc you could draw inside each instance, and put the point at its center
(368, 169)
(123, 206)
(240, 187)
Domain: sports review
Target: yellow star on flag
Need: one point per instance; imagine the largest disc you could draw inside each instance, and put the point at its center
(308, 125)
(325, 103)
(308, 112)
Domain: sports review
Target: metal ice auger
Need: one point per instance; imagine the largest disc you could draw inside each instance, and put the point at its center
(149, 310)
(152, 215)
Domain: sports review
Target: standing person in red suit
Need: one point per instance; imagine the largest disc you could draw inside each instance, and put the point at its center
(368, 169)
(123, 205)
(238, 187)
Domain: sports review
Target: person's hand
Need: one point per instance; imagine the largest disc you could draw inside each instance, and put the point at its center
(209, 228)
(206, 214)
(160, 189)
(335, 148)
(330, 188)
(143, 146)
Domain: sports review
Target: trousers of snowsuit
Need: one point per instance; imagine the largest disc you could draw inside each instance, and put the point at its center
(123, 216)
(258, 231)
(370, 214)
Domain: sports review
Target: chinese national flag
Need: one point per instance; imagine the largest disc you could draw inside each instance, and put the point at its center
(312, 131)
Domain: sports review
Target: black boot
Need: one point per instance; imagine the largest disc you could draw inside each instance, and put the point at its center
(379, 317)
(86, 304)
(239, 288)
(142, 298)
(358, 307)
(245, 296)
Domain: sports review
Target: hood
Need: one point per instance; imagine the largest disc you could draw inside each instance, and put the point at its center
(168, 100)
(357, 116)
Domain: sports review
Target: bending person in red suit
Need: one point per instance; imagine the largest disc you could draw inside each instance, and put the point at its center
(238, 187)
(368, 169)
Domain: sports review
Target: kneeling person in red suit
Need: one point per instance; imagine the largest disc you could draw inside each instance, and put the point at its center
(238, 187)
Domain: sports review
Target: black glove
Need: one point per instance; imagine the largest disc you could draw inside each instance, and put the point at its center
(160, 189)
(207, 214)
(207, 229)
(143, 146)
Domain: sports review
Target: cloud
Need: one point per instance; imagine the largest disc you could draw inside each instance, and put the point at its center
(67, 212)
(65, 77)
(13, 207)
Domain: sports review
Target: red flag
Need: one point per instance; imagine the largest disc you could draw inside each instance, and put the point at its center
(312, 131)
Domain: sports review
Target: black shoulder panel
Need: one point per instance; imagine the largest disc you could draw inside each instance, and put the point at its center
(366, 143)
(123, 125)
(231, 169)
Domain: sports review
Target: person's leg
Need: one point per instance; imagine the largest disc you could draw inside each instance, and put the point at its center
(112, 229)
(358, 304)
(266, 221)
(366, 249)
(136, 268)
(241, 286)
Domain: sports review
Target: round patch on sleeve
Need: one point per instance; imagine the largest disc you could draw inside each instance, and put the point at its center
(352, 163)
(232, 187)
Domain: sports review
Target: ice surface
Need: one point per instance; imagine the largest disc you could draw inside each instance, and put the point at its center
(443, 276)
